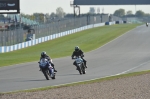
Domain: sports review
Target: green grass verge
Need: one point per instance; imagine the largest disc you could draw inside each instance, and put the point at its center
(87, 40)
(83, 82)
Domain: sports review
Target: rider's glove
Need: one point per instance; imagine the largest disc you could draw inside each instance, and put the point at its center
(72, 58)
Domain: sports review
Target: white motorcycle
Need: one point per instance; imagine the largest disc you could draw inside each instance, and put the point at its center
(147, 24)
(80, 65)
(48, 71)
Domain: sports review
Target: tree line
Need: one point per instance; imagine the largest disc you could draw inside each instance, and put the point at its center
(121, 12)
(59, 14)
(139, 13)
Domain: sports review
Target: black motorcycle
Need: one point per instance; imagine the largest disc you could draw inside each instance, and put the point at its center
(80, 65)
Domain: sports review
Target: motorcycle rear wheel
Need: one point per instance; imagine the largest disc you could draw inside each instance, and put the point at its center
(53, 77)
(84, 72)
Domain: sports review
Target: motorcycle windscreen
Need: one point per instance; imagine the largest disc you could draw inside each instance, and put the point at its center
(78, 61)
(42, 64)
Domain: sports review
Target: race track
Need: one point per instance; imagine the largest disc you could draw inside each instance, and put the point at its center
(128, 53)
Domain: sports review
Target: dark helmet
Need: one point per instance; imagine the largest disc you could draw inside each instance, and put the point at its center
(43, 54)
(77, 48)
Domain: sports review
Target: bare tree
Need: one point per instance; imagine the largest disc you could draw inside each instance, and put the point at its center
(92, 10)
(52, 15)
(60, 12)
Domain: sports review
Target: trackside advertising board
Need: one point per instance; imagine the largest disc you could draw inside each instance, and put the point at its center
(10, 5)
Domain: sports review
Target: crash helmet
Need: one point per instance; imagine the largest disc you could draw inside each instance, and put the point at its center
(77, 48)
(43, 54)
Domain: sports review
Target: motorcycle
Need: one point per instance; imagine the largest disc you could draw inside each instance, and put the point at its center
(47, 71)
(147, 24)
(80, 65)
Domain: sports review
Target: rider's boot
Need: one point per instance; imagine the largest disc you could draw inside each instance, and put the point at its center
(76, 68)
(85, 65)
(54, 69)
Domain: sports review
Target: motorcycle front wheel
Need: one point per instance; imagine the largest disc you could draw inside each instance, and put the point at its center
(45, 74)
(83, 69)
(79, 69)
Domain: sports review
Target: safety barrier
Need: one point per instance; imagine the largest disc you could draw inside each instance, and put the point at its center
(4, 49)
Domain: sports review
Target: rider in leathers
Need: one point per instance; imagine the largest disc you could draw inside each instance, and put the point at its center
(44, 55)
(78, 52)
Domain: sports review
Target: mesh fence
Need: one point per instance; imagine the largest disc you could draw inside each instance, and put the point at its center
(16, 36)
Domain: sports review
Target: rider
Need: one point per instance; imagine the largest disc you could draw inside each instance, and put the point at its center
(78, 52)
(146, 23)
(44, 55)
(29, 36)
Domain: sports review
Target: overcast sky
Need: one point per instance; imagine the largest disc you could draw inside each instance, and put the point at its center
(48, 6)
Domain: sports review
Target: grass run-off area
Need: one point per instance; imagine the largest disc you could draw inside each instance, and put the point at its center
(87, 40)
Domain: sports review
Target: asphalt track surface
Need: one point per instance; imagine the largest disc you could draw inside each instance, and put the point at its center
(127, 53)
